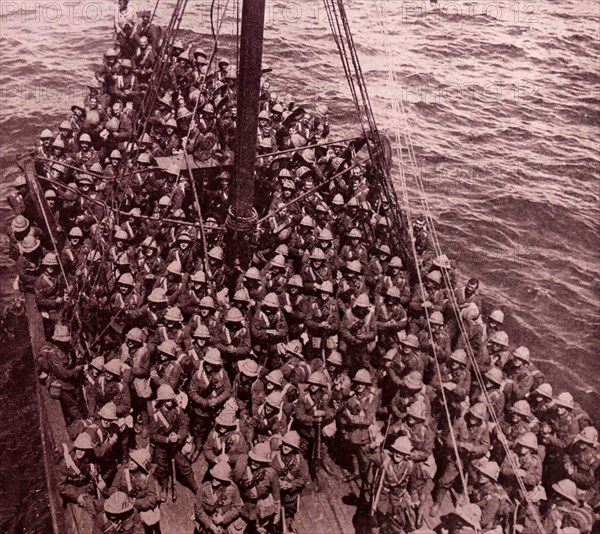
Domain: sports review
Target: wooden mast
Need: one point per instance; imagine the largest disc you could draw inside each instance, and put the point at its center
(242, 217)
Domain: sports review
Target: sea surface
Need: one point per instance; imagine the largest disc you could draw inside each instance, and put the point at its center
(503, 104)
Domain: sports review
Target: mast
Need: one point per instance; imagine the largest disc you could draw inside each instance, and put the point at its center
(242, 216)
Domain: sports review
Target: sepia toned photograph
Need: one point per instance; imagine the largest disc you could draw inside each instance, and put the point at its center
(299, 267)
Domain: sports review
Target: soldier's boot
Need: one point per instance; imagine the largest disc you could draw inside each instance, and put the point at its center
(355, 474)
(440, 495)
(188, 479)
(163, 490)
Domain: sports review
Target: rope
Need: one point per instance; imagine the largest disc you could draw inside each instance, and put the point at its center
(452, 297)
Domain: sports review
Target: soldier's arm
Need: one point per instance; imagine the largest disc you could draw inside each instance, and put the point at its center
(183, 423)
(226, 392)
(483, 446)
(301, 477)
(199, 512)
(243, 349)
(194, 392)
(142, 368)
(155, 435)
(489, 511)
(147, 498)
(522, 387)
(463, 386)
(235, 505)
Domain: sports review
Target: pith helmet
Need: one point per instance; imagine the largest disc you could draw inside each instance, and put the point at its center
(30, 243)
(216, 253)
(325, 235)
(395, 263)
(296, 281)
(335, 358)
(471, 513)
(413, 380)
(109, 411)
(494, 375)
(402, 445)
(275, 377)
(588, 435)
(75, 232)
(326, 287)
(435, 276)
(271, 301)
(355, 233)
(460, 356)
(198, 277)
(19, 224)
(317, 254)
(118, 503)
(442, 261)
(135, 334)
(436, 318)
(478, 410)
(141, 457)
(201, 332)
(500, 338)
(522, 408)
(261, 452)
(126, 279)
(307, 221)
(50, 260)
(213, 356)
(294, 347)
(545, 390)
(565, 400)
(274, 399)
(174, 314)
(83, 442)
(278, 261)
(522, 353)
(168, 347)
(174, 267)
(354, 266)
(317, 378)
(566, 488)
(291, 438)
(46, 134)
(363, 376)
(362, 301)
(113, 367)
(282, 250)
(98, 363)
(393, 292)
(248, 367)
(227, 418)
(528, 440)
(489, 469)
(497, 316)
(411, 341)
(418, 410)
(157, 296)
(252, 274)
(234, 316)
(61, 333)
(165, 392)
(207, 302)
(221, 471)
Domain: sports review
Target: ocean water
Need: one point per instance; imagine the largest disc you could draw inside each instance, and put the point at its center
(503, 104)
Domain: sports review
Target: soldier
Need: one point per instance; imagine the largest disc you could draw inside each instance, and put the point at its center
(412, 357)
(136, 481)
(377, 266)
(136, 355)
(472, 438)
(92, 372)
(268, 328)
(292, 469)
(563, 509)
(497, 345)
(65, 373)
(357, 333)
(493, 382)
(390, 320)
(29, 264)
(519, 375)
(259, 488)
(490, 496)
(527, 463)
(411, 389)
(167, 369)
(351, 286)
(541, 400)
(183, 252)
(243, 384)
(295, 305)
(440, 346)
(225, 442)
(50, 293)
(109, 443)
(270, 421)
(119, 516)
(209, 389)
(322, 320)
(356, 415)
(581, 462)
(394, 493)
(218, 505)
(111, 387)
(455, 379)
(233, 339)
(77, 473)
(189, 300)
(168, 433)
(316, 271)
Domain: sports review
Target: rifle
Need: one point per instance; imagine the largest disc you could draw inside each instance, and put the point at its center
(377, 496)
(283, 523)
(316, 450)
(173, 476)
